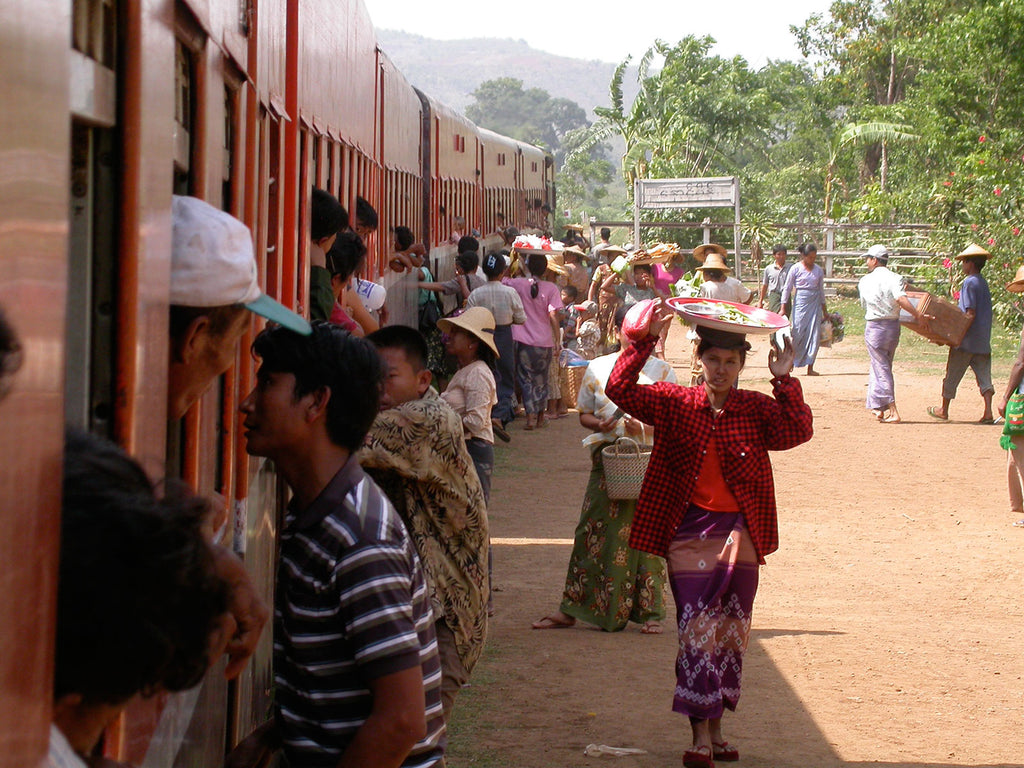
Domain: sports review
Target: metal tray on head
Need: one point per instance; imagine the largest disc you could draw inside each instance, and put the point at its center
(727, 315)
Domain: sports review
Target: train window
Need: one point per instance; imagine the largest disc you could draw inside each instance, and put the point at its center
(92, 250)
(94, 30)
(228, 150)
(184, 111)
(533, 167)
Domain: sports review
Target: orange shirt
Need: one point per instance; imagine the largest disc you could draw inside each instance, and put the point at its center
(711, 491)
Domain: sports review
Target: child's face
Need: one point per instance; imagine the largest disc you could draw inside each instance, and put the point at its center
(566, 298)
(402, 382)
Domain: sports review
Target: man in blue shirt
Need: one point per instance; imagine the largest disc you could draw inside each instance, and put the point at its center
(976, 349)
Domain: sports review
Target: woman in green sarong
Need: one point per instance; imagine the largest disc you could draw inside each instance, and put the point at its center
(608, 584)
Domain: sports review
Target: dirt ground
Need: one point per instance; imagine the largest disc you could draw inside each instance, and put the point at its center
(887, 628)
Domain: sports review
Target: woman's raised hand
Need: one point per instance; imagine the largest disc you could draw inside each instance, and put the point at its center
(780, 361)
(660, 318)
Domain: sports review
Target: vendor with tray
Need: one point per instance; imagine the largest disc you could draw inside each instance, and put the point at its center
(708, 502)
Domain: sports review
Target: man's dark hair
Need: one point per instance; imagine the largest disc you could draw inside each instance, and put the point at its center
(806, 248)
(138, 594)
(977, 261)
(346, 255)
(365, 214)
(329, 357)
(404, 237)
(10, 354)
(572, 291)
(605, 233)
(468, 243)
(327, 215)
(467, 261)
(780, 248)
(402, 337)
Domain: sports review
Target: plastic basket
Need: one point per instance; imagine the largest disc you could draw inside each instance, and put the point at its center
(625, 464)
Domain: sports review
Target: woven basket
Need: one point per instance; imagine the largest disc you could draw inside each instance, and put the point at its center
(625, 464)
(572, 377)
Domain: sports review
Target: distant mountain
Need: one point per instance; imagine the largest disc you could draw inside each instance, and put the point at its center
(450, 70)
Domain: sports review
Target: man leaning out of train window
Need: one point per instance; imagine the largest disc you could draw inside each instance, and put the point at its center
(140, 606)
(214, 288)
(327, 218)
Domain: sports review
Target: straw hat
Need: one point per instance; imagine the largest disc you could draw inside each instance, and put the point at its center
(714, 260)
(556, 263)
(476, 320)
(700, 253)
(1017, 284)
(575, 250)
(614, 250)
(974, 251)
(574, 227)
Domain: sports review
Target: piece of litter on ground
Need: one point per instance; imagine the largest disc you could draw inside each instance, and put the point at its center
(596, 750)
(909, 517)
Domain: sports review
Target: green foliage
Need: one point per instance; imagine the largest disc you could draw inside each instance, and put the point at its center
(530, 115)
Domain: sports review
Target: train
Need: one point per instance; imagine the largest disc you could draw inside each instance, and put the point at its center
(110, 108)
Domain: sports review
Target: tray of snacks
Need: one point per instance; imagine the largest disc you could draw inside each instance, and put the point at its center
(528, 244)
(727, 315)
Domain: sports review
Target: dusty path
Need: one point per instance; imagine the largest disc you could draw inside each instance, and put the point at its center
(887, 628)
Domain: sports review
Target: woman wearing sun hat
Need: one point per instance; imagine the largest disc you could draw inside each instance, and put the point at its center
(471, 392)
(708, 506)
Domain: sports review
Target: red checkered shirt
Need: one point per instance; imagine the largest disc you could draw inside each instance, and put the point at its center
(750, 425)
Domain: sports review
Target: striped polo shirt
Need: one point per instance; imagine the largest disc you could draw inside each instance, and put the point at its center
(351, 605)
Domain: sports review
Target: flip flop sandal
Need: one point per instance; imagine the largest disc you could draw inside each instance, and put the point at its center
(724, 751)
(933, 411)
(698, 757)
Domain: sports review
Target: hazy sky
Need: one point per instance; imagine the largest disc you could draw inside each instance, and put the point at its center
(605, 30)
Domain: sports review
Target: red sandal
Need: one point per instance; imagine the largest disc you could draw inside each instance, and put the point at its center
(724, 751)
(698, 757)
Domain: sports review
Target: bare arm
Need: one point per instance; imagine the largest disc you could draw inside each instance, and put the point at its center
(396, 722)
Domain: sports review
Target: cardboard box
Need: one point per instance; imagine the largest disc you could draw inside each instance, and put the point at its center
(948, 324)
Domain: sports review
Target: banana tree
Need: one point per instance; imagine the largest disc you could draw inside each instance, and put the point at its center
(854, 134)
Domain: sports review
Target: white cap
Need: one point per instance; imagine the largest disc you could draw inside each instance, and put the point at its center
(877, 252)
(213, 265)
(371, 294)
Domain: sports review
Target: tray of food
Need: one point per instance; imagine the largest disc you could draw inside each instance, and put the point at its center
(727, 315)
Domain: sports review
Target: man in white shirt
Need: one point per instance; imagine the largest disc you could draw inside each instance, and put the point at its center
(882, 295)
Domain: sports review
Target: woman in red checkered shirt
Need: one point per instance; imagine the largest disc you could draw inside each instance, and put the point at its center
(708, 507)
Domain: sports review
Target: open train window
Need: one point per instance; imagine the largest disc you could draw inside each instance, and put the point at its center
(184, 111)
(93, 200)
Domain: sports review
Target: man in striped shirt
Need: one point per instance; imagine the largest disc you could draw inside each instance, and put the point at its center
(358, 680)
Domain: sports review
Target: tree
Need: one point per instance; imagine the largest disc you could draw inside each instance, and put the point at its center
(530, 115)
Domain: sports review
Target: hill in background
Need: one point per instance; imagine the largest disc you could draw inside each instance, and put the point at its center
(450, 70)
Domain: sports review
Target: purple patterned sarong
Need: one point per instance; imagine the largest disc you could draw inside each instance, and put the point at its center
(533, 366)
(713, 572)
(881, 338)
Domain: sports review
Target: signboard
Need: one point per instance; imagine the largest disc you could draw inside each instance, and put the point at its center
(668, 194)
(661, 194)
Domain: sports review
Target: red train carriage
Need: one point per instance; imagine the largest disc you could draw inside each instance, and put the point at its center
(247, 105)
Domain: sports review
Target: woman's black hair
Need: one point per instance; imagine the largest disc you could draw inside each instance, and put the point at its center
(327, 215)
(138, 595)
(620, 316)
(483, 352)
(714, 275)
(806, 248)
(705, 345)
(495, 264)
(644, 268)
(329, 357)
(467, 261)
(346, 256)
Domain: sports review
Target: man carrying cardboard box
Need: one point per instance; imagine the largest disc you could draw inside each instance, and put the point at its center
(882, 295)
(976, 348)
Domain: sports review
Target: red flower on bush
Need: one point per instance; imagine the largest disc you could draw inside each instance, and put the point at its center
(956, 295)
(947, 264)
(974, 227)
(997, 191)
(991, 241)
(947, 183)
(1016, 231)
(981, 139)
